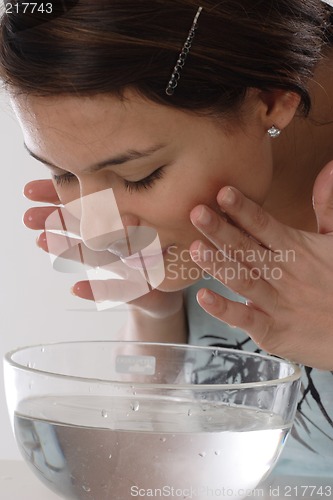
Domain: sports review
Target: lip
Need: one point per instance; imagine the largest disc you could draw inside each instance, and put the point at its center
(144, 261)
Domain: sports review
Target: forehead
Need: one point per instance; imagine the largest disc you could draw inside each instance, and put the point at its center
(72, 130)
(89, 118)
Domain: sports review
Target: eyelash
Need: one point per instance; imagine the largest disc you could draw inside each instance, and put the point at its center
(63, 179)
(145, 183)
(130, 186)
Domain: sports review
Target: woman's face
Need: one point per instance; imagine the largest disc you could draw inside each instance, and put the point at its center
(195, 155)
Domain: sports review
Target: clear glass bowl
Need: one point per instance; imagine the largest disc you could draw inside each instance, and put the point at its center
(115, 420)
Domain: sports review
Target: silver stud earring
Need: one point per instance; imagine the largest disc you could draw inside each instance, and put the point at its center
(274, 132)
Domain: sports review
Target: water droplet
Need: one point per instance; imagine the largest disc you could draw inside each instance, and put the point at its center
(135, 405)
(110, 456)
(189, 413)
(42, 349)
(217, 453)
(104, 414)
(86, 488)
(202, 454)
(163, 440)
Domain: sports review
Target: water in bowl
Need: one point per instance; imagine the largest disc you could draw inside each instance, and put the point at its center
(91, 448)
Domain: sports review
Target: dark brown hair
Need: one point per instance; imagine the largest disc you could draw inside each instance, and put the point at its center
(106, 46)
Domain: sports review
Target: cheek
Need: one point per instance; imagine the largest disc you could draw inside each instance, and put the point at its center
(257, 185)
(253, 172)
(171, 210)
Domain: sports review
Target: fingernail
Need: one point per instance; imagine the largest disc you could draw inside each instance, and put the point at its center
(96, 291)
(27, 192)
(228, 197)
(41, 239)
(27, 217)
(78, 291)
(204, 252)
(208, 297)
(202, 216)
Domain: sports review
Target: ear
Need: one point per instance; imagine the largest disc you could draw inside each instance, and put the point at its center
(278, 107)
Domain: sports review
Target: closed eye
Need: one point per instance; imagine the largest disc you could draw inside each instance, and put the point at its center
(66, 178)
(131, 186)
(145, 183)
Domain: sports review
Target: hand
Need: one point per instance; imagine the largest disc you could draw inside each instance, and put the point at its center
(155, 304)
(285, 274)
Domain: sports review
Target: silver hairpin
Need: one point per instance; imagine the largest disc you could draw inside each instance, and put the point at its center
(173, 82)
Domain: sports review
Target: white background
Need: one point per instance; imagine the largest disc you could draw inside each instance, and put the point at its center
(35, 301)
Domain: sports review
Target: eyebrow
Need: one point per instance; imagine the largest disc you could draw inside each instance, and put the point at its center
(130, 155)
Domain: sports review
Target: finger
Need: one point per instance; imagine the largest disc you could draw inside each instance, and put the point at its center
(323, 199)
(35, 217)
(42, 190)
(60, 245)
(249, 283)
(254, 219)
(73, 249)
(113, 290)
(255, 322)
(83, 290)
(231, 242)
(52, 219)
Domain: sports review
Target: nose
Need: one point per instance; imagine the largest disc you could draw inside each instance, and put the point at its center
(101, 225)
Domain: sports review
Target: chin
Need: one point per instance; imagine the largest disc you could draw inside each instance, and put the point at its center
(175, 285)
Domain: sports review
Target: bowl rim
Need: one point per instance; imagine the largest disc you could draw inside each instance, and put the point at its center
(297, 372)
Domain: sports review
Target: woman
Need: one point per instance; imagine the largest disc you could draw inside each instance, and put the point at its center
(222, 155)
